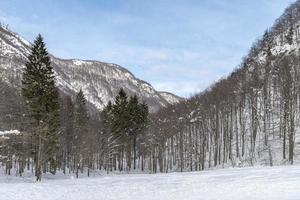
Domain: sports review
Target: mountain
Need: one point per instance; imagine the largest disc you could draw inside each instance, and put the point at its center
(99, 81)
(171, 98)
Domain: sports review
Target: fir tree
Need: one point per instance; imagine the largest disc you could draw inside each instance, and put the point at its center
(120, 117)
(42, 99)
(81, 129)
(137, 120)
(108, 141)
(81, 113)
(125, 120)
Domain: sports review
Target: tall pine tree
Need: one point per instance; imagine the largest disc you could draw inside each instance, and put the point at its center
(42, 99)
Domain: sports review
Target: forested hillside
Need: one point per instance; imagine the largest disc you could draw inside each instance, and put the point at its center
(250, 117)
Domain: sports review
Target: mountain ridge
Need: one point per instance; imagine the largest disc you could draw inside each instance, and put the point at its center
(99, 80)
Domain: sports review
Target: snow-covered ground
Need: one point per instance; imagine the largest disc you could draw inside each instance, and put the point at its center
(235, 183)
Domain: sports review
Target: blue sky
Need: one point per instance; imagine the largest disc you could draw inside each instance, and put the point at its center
(180, 46)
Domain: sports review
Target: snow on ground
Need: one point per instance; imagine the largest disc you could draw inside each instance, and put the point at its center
(234, 183)
(11, 132)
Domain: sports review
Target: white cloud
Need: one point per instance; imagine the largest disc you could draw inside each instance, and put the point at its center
(180, 71)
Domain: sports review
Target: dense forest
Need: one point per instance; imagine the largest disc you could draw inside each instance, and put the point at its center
(250, 117)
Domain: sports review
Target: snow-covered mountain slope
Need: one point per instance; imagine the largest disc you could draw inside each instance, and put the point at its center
(171, 98)
(99, 81)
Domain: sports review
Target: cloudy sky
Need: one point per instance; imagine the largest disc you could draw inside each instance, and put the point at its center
(180, 46)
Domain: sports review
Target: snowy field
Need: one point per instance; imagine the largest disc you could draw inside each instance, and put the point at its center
(235, 183)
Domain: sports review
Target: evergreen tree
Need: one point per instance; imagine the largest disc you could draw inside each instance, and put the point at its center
(108, 141)
(42, 99)
(137, 121)
(125, 120)
(81, 130)
(120, 117)
(81, 110)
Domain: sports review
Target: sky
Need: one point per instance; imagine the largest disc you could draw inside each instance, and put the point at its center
(179, 46)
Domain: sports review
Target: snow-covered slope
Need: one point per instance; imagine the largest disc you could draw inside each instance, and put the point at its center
(171, 98)
(99, 81)
(280, 183)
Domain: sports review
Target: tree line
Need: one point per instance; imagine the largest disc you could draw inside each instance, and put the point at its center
(58, 133)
